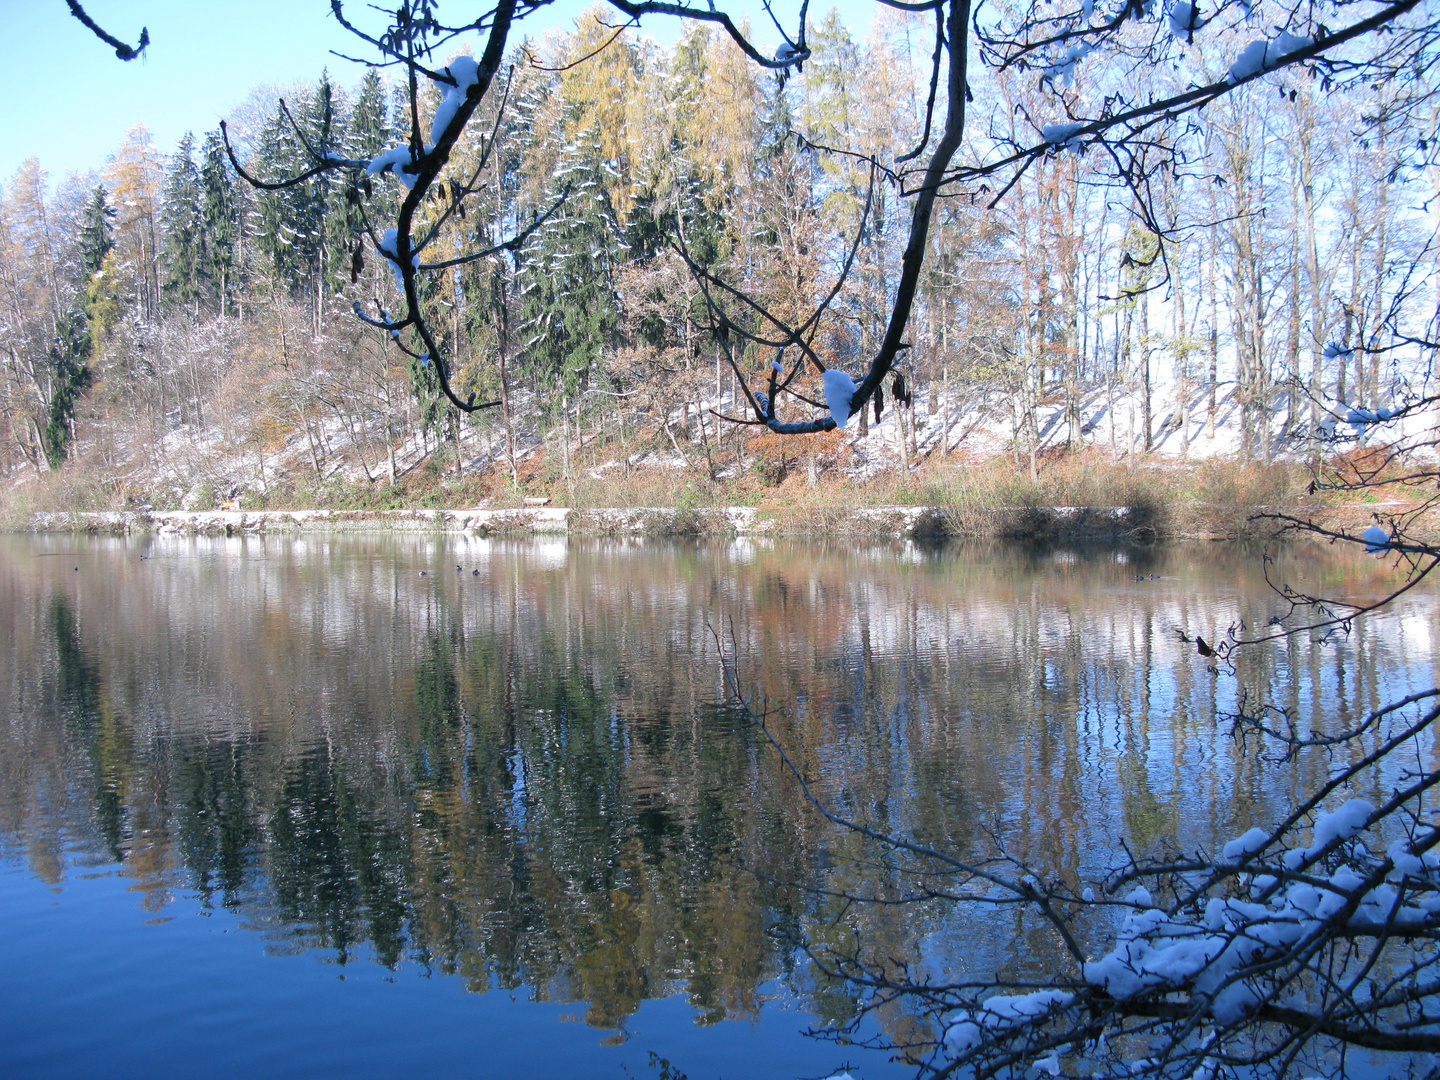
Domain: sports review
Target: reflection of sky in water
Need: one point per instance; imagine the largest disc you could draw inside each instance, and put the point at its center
(519, 778)
(199, 994)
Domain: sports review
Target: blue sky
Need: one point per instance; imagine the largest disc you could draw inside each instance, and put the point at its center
(66, 99)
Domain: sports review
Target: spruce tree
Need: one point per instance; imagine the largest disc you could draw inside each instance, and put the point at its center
(369, 134)
(326, 222)
(569, 311)
(180, 220)
(279, 155)
(369, 131)
(97, 234)
(95, 305)
(221, 214)
(100, 291)
(297, 225)
(69, 374)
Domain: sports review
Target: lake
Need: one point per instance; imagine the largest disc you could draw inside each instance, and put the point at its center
(330, 806)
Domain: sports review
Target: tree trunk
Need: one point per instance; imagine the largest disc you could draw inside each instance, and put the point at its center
(1147, 413)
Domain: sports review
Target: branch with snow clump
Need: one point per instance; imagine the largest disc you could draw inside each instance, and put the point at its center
(1263, 959)
(1265, 55)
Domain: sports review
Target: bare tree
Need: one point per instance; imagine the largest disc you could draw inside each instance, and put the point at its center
(1136, 131)
(1290, 946)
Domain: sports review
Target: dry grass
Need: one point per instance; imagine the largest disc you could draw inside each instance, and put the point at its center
(59, 491)
(988, 497)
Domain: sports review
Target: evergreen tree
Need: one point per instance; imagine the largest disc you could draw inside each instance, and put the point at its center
(300, 228)
(69, 374)
(220, 224)
(98, 263)
(97, 233)
(569, 310)
(369, 130)
(278, 155)
(326, 218)
(181, 221)
(370, 133)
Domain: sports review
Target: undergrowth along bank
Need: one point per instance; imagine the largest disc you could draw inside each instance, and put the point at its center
(1076, 498)
(1072, 497)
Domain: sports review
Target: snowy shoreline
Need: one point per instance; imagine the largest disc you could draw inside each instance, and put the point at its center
(1136, 524)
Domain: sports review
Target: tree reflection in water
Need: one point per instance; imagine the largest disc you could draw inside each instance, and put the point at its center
(531, 778)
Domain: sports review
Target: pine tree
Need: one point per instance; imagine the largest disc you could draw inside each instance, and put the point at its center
(98, 261)
(277, 156)
(81, 326)
(69, 374)
(221, 214)
(370, 132)
(181, 220)
(304, 229)
(291, 223)
(97, 234)
(568, 309)
(326, 219)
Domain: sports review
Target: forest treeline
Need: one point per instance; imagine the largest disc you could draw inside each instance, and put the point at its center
(162, 310)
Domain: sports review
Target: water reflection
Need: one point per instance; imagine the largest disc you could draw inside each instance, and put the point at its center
(528, 778)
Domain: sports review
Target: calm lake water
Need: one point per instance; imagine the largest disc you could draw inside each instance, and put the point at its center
(286, 807)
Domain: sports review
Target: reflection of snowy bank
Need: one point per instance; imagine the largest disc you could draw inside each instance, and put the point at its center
(870, 522)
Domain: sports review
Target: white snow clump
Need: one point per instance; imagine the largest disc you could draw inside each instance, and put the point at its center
(968, 1028)
(1064, 68)
(466, 73)
(1184, 19)
(1347, 820)
(1360, 417)
(388, 249)
(839, 389)
(394, 161)
(1061, 134)
(1247, 844)
(1408, 864)
(1263, 55)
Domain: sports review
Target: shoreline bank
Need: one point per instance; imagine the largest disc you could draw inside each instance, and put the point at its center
(1137, 524)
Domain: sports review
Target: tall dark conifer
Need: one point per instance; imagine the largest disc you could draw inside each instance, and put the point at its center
(569, 311)
(97, 231)
(221, 214)
(278, 217)
(180, 221)
(97, 242)
(369, 129)
(71, 347)
(327, 233)
(301, 228)
(369, 134)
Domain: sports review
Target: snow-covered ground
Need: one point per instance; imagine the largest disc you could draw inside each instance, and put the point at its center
(204, 467)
